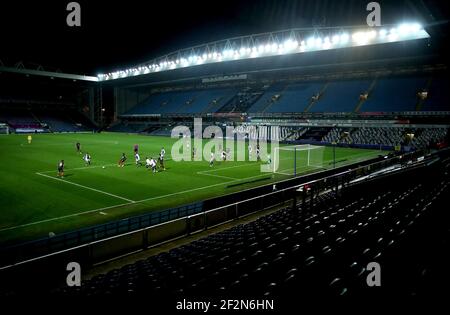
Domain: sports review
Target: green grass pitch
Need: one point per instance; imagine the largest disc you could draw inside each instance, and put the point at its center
(35, 202)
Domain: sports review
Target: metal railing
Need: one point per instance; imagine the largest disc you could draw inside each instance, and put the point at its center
(199, 216)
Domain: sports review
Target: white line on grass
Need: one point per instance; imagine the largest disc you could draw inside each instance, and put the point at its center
(201, 188)
(63, 217)
(214, 175)
(77, 168)
(86, 187)
(88, 167)
(123, 204)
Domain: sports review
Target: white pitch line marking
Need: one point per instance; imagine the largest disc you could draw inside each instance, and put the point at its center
(123, 204)
(78, 168)
(214, 175)
(63, 217)
(89, 167)
(86, 187)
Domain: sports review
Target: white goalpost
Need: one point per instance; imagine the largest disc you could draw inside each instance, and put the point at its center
(4, 129)
(292, 160)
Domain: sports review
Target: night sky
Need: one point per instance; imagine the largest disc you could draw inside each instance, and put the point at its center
(120, 33)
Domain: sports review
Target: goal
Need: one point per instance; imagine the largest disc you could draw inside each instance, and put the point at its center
(293, 160)
(4, 129)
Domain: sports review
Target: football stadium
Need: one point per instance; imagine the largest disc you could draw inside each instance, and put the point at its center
(248, 171)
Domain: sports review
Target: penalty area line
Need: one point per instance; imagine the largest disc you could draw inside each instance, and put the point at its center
(86, 187)
(120, 205)
(64, 217)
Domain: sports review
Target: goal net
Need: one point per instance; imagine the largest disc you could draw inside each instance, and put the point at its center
(293, 160)
(4, 129)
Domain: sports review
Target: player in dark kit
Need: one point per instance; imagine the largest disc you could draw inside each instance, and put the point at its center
(61, 168)
(161, 162)
(136, 149)
(78, 145)
(122, 160)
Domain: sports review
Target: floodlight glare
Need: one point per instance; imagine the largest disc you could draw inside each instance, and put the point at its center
(310, 41)
(335, 39)
(276, 43)
(344, 38)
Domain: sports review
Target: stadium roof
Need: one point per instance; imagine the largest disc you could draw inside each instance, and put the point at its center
(286, 42)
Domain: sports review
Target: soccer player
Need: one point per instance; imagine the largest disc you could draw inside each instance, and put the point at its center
(29, 138)
(87, 159)
(137, 158)
(224, 156)
(122, 160)
(153, 165)
(61, 168)
(211, 160)
(258, 156)
(136, 149)
(163, 152)
(194, 152)
(269, 159)
(78, 145)
(161, 162)
(250, 149)
(147, 162)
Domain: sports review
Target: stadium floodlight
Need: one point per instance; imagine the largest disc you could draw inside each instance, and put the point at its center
(326, 43)
(318, 41)
(273, 44)
(290, 44)
(335, 39)
(310, 42)
(344, 38)
(360, 38)
(393, 34)
(404, 29)
(274, 47)
(416, 27)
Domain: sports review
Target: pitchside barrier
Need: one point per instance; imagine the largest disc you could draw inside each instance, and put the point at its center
(49, 245)
(16, 261)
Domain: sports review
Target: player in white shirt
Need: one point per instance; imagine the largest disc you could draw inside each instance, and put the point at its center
(224, 156)
(137, 158)
(153, 165)
(147, 162)
(87, 159)
(258, 157)
(163, 152)
(250, 149)
(211, 160)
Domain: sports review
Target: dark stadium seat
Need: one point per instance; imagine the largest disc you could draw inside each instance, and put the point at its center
(324, 251)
